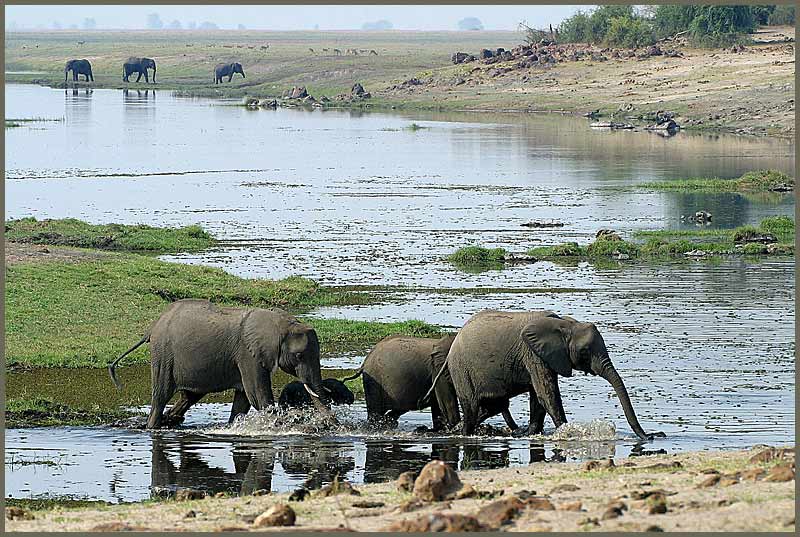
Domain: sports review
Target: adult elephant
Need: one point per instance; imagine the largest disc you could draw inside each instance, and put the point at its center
(227, 69)
(78, 67)
(199, 348)
(140, 66)
(499, 355)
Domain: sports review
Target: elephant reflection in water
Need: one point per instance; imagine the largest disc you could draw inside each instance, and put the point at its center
(386, 461)
(252, 468)
(319, 465)
(133, 96)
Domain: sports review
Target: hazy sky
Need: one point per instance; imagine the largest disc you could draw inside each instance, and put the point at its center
(493, 17)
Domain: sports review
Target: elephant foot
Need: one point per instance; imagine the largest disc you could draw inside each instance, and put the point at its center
(171, 421)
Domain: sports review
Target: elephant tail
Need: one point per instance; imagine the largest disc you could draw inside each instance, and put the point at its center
(354, 376)
(422, 403)
(113, 365)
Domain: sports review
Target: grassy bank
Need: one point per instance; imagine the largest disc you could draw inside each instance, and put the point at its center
(84, 312)
(756, 181)
(691, 491)
(73, 232)
(42, 412)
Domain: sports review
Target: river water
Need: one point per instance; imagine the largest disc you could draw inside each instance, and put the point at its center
(706, 348)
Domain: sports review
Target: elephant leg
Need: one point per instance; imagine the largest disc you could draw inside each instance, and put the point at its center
(436, 416)
(492, 407)
(159, 401)
(230, 77)
(470, 419)
(545, 385)
(240, 405)
(509, 419)
(146, 77)
(538, 413)
(138, 78)
(257, 384)
(174, 416)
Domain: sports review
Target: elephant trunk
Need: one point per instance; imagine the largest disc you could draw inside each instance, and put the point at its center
(606, 370)
(312, 382)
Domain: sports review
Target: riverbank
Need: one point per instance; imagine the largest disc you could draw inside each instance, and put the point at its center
(748, 91)
(691, 491)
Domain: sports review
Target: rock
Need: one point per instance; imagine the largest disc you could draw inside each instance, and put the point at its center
(17, 513)
(654, 528)
(368, 505)
(337, 487)
(436, 482)
(117, 526)
(571, 506)
(499, 512)
(754, 474)
(485, 53)
(462, 57)
(709, 471)
(358, 92)
(663, 466)
(589, 521)
(710, 481)
(541, 224)
(611, 512)
(644, 494)
(656, 504)
(770, 454)
(405, 481)
(219, 495)
(279, 514)
(299, 494)
(728, 479)
(519, 258)
(411, 505)
(250, 102)
(449, 522)
(268, 103)
(696, 253)
(603, 464)
(297, 92)
(538, 503)
(191, 513)
(564, 487)
(467, 491)
(781, 473)
(183, 495)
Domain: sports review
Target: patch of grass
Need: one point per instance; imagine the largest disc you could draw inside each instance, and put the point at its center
(755, 181)
(477, 256)
(12, 124)
(85, 314)
(610, 248)
(72, 232)
(780, 226)
(54, 502)
(415, 127)
(567, 249)
(41, 412)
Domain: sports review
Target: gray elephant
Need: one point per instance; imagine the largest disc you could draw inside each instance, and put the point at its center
(227, 69)
(294, 394)
(198, 348)
(78, 67)
(140, 66)
(398, 372)
(499, 355)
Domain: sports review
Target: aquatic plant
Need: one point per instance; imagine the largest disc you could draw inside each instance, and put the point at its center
(477, 256)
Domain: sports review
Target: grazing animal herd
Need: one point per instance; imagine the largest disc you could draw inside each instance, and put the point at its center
(199, 348)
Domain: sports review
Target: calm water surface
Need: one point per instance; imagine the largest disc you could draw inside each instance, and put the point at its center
(706, 348)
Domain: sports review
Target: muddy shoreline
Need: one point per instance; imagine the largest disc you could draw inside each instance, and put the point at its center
(693, 491)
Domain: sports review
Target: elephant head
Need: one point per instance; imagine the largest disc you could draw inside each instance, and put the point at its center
(149, 63)
(67, 69)
(566, 344)
(236, 67)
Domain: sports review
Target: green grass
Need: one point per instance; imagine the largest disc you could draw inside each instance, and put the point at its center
(72, 232)
(477, 256)
(755, 181)
(57, 502)
(671, 243)
(42, 412)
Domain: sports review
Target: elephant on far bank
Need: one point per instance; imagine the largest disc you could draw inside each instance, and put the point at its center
(199, 348)
(140, 66)
(499, 355)
(78, 67)
(227, 69)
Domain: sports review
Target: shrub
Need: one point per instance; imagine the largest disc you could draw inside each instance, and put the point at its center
(629, 33)
(708, 25)
(755, 248)
(782, 15)
(764, 180)
(780, 226)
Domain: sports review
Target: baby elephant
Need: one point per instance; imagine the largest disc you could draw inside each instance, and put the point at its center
(399, 371)
(295, 394)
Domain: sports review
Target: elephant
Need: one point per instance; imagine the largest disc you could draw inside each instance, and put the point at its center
(199, 348)
(138, 65)
(79, 67)
(294, 394)
(498, 355)
(227, 69)
(399, 370)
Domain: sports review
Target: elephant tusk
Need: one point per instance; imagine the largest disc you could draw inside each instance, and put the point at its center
(309, 390)
(327, 389)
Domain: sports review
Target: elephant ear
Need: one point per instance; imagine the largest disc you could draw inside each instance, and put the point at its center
(260, 334)
(297, 337)
(545, 336)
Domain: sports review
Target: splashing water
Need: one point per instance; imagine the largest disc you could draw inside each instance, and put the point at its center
(596, 429)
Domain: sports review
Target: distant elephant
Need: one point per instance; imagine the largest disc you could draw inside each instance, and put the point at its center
(138, 65)
(78, 67)
(294, 394)
(227, 69)
(498, 355)
(199, 348)
(398, 372)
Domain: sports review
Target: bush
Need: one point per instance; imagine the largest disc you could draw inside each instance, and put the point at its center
(629, 33)
(708, 25)
(594, 27)
(608, 248)
(477, 255)
(761, 14)
(780, 226)
(782, 15)
(765, 180)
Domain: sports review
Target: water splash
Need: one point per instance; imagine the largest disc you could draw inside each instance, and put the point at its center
(596, 430)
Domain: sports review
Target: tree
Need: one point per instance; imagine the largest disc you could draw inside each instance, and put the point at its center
(206, 25)
(89, 24)
(782, 15)
(707, 25)
(154, 22)
(470, 23)
(382, 24)
(175, 25)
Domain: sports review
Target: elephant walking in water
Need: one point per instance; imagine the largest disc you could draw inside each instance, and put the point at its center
(78, 67)
(227, 69)
(138, 65)
(199, 348)
(498, 355)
